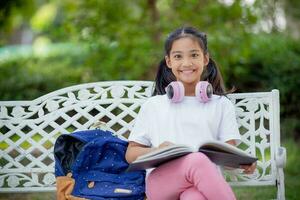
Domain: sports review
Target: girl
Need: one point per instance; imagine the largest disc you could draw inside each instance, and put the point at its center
(162, 122)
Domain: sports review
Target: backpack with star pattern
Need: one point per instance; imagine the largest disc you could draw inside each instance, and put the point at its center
(91, 165)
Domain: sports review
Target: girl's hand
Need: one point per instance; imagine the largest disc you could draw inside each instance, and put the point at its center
(164, 144)
(249, 169)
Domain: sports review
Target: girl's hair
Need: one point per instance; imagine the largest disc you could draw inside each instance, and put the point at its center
(211, 73)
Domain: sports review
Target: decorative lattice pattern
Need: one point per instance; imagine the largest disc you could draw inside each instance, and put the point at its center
(255, 116)
(28, 129)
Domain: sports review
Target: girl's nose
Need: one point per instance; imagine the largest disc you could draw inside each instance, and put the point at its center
(187, 63)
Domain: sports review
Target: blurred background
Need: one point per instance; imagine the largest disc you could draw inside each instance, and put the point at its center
(46, 45)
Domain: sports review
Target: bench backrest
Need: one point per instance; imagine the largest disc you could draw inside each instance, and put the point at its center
(28, 129)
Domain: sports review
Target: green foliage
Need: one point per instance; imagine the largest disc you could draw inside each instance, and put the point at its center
(44, 17)
(12, 13)
(127, 37)
(30, 74)
(124, 40)
(265, 62)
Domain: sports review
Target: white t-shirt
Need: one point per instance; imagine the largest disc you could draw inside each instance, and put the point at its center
(189, 122)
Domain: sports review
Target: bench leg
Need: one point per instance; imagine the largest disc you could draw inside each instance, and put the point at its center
(280, 164)
(280, 184)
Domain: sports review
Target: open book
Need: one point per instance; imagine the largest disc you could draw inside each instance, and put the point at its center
(218, 152)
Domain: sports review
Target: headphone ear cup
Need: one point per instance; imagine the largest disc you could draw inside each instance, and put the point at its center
(175, 91)
(203, 91)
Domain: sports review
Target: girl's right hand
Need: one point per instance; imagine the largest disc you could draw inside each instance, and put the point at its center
(164, 144)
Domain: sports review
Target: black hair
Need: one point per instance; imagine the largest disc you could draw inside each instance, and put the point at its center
(211, 73)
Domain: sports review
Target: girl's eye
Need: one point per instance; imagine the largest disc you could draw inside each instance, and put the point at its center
(195, 55)
(177, 56)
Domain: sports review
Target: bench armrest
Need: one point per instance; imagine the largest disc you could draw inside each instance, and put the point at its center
(280, 157)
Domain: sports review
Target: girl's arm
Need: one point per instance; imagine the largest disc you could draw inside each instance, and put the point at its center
(232, 142)
(135, 150)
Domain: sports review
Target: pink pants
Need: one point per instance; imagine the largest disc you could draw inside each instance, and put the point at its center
(191, 177)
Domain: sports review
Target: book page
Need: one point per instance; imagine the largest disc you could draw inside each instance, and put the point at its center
(165, 151)
(223, 147)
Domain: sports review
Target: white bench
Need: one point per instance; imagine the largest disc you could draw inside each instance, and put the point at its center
(28, 130)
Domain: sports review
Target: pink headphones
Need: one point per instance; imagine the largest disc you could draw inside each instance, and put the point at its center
(203, 91)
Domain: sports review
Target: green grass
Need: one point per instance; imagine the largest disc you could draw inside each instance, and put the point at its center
(28, 196)
(251, 193)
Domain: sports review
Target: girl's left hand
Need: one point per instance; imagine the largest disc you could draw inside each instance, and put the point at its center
(164, 144)
(249, 169)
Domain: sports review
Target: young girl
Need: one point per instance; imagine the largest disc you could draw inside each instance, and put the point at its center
(163, 121)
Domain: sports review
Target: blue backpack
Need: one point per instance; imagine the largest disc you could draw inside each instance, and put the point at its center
(92, 165)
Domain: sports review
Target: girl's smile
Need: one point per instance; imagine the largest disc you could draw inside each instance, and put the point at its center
(187, 71)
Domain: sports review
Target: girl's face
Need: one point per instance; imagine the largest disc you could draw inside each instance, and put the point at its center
(187, 61)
